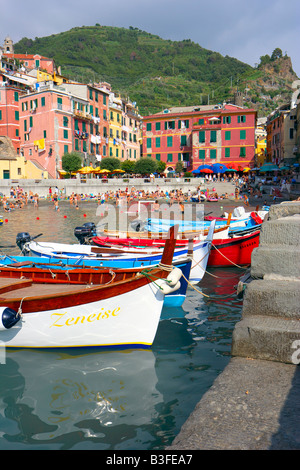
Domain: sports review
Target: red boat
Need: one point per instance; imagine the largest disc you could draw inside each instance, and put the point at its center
(236, 250)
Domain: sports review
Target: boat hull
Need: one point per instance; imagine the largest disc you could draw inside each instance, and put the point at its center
(128, 320)
(233, 251)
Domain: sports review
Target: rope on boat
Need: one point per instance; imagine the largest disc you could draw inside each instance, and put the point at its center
(241, 267)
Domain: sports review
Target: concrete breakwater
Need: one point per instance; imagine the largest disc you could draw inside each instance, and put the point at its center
(254, 403)
(95, 186)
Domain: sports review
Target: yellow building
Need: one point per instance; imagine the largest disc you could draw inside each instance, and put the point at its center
(115, 126)
(261, 142)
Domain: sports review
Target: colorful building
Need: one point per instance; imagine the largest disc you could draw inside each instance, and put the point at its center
(281, 131)
(201, 135)
(131, 131)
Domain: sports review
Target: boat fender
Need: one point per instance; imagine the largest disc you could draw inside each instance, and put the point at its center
(174, 276)
(8, 318)
(165, 287)
(256, 218)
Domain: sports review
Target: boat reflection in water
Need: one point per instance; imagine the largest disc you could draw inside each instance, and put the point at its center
(99, 396)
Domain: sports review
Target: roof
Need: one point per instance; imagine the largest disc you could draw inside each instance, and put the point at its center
(26, 56)
(205, 109)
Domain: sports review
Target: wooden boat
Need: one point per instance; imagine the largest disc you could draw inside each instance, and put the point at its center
(233, 250)
(119, 313)
(88, 271)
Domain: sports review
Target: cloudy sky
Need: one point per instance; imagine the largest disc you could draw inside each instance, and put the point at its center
(245, 29)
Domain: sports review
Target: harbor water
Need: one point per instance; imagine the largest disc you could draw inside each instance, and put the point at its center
(84, 399)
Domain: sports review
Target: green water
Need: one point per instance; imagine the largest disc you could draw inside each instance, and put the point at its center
(133, 400)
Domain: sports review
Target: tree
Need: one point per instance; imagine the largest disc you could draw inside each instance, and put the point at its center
(110, 163)
(71, 162)
(161, 166)
(179, 167)
(276, 54)
(145, 166)
(128, 166)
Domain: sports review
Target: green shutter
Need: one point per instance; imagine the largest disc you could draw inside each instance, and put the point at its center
(243, 134)
(170, 157)
(157, 126)
(213, 136)
(202, 136)
(202, 154)
(183, 140)
(169, 141)
(242, 151)
(157, 141)
(148, 143)
(227, 135)
(148, 126)
(213, 153)
(227, 151)
(43, 101)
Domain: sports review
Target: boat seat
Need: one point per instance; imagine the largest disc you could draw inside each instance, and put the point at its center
(8, 284)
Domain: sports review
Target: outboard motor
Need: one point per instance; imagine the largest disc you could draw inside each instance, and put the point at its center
(21, 239)
(138, 225)
(84, 232)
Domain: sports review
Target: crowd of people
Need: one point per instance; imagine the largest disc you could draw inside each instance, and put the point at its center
(244, 186)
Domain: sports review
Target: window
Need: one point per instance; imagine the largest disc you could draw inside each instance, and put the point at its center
(17, 117)
(30, 121)
(213, 153)
(65, 134)
(213, 136)
(25, 125)
(169, 157)
(157, 157)
(291, 133)
(66, 148)
(227, 135)
(59, 103)
(66, 121)
(226, 119)
(104, 101)
(157, 141)
(202, 154)
(201, 122)
(183, 124)
(157, 126)
(242, 151)
(241, 118)
(170, 125)
(16, 96)
(169, 141)
(37, 63)
(243, 134)
(183, 140)
(202, 136)
(0, 115)
(43, 101)
(149, 143)
(91, 94)
(45, 134)
(148, 127)
(227, 151)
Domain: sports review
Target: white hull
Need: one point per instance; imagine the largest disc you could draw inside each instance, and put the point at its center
(126, 320)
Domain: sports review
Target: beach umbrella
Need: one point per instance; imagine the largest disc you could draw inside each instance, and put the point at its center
(269, 167)
(204, 167)
(103, 171)
(219, 168)
(206, 170)
(85, 170)
(95, 170)
(245, 170)
(196, 171)
(284, 168)
(117, 170)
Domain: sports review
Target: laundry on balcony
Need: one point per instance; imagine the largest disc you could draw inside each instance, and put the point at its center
(80, 134)
(96, 119)
(40, 145)
(95, 139)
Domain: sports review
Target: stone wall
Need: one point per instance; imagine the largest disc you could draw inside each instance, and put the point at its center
(270, 325)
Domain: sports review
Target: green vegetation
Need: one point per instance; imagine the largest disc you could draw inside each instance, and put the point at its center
(154, 72)
(158, 73)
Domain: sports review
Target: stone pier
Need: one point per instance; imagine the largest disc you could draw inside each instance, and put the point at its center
(254, 403)
(270, 326)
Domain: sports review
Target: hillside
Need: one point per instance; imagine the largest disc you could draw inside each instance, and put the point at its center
(154, 72)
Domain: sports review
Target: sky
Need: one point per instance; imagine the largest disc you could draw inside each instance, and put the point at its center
(244, 29)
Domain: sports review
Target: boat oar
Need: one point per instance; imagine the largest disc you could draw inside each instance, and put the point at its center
(36, 236)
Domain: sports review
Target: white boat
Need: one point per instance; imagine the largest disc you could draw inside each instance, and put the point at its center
(126, 257)
(117, 314)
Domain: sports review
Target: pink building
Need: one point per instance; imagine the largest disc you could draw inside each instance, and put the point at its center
(201, 135)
